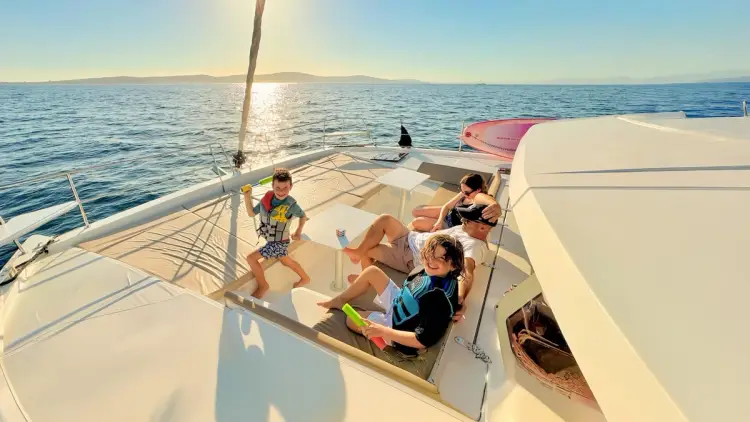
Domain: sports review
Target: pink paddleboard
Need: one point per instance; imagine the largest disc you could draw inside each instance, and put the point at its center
(499, 137)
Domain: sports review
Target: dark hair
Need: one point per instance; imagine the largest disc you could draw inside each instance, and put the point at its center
(475, 182)
(282, 175)
(454, 252)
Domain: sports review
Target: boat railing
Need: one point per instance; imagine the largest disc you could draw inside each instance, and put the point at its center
(12, 232)
(324, 135)
(106, 165)
(460, 134)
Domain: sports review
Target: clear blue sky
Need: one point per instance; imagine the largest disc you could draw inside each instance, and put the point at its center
(431, 40)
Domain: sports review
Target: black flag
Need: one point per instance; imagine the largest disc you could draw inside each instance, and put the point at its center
(405, 140)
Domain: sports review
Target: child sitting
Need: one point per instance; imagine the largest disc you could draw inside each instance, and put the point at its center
(275, 210)
(417, 315)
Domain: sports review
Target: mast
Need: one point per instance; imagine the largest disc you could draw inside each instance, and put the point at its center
(239, 158)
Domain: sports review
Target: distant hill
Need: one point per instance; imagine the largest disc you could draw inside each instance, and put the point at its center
(737, 79)
(715, 77)
(298, 77)
(283, 77)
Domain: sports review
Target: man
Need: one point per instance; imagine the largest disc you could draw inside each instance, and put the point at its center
(403, 249)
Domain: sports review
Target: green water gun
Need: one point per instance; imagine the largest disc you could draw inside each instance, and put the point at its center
(354, 315)
(265, 180)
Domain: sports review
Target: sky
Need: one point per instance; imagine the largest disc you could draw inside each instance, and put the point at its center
(450, 41)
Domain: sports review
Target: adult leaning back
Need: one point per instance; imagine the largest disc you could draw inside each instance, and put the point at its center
(473, 189)
(402, 250)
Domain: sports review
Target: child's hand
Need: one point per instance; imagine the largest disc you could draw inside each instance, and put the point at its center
(296, 236)
(248, 189)
(459, 315)
(372, 329)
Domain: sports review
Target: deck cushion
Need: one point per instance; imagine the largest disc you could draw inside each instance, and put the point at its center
(445, 193)
(448, 174)
(333, 324)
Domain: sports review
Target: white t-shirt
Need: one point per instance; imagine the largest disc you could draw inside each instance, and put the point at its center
(473, 248)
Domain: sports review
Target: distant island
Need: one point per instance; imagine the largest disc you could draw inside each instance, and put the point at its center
(281, 77)
(714, 77)
(299, 77)
(737, 79)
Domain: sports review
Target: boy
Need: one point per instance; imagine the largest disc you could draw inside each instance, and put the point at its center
(275, 210)
(417, 315)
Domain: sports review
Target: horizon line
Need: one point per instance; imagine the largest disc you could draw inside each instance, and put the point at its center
(739, 77)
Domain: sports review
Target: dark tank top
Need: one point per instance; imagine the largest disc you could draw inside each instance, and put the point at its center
(453, 218)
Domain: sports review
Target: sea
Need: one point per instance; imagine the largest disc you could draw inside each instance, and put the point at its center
(149, 140)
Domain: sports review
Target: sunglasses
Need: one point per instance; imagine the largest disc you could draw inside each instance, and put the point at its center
(467, 193)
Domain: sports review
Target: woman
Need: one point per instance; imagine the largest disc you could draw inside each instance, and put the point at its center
(417, 315)
(433, 218)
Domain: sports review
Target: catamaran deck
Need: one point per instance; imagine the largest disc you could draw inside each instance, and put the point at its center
(90, 338)
(198, 240)
(203, 247)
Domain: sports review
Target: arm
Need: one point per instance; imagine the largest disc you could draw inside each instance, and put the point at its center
(444, 210)
(249, 202)
(449, 206)
(434, 319)
(406, 338)
(493, 210)
(464, 286)
(473, 252)
(299, 213)
(298, 233)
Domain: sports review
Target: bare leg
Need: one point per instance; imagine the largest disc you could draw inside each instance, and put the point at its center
(288, 261)
(385, 225)
(430, 211)
(372, 276)
(367, 260)
(253, 260)
(423, 224)
(375, 254)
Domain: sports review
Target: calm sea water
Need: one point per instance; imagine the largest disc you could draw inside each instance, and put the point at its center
(168, 128)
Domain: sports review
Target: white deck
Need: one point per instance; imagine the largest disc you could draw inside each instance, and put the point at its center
(203, 247)
(91, 339)
(198, 239)
(638, 231)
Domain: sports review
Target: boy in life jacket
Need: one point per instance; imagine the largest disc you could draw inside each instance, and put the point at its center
(417, 315)
(275, 210)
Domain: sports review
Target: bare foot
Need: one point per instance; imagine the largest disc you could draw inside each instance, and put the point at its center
(334, 303)
(351, 278)
(352, 254)
(301, 282)
(260, 291)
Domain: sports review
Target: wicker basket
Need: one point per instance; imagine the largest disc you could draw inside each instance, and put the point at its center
(568, 381)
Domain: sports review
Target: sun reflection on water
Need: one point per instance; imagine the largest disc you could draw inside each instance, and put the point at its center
(269, 108)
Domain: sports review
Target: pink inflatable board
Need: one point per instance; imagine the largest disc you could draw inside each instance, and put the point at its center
(499, 137)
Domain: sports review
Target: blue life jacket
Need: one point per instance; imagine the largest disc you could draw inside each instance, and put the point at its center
(406, 304)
